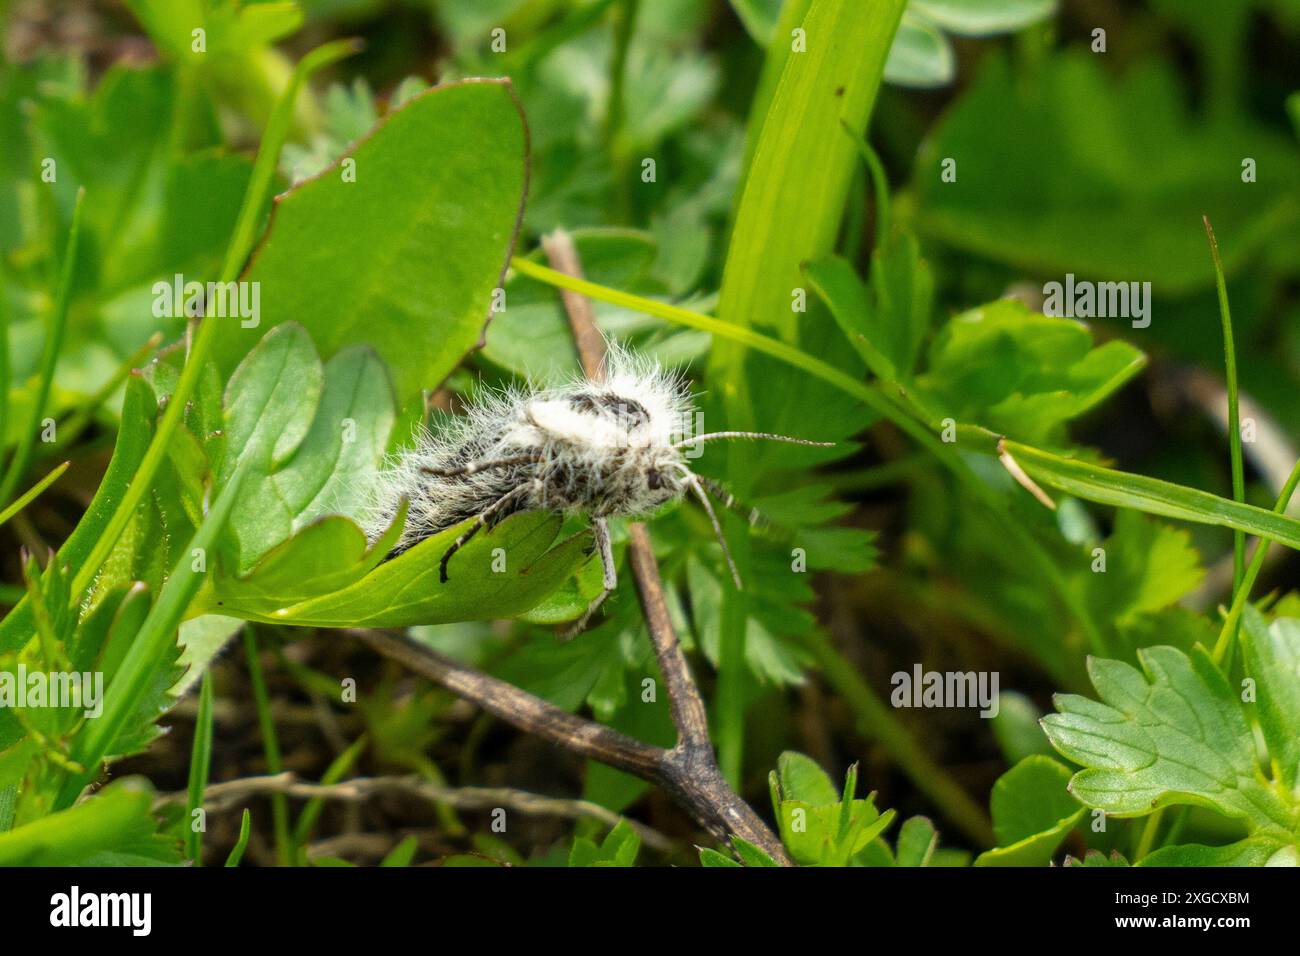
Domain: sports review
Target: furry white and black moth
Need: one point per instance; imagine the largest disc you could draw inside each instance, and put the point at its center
(605, 449)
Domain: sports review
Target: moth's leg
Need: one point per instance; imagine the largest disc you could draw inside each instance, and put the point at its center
(480, 521)
(473, 467)
(605, 547)
(694, 485)
(751, 515)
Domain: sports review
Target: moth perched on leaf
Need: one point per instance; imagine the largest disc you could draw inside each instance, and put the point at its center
(607, 449)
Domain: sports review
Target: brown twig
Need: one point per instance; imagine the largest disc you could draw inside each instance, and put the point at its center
(687, 771)
(563, 256)
(234, 793)
(691, 768)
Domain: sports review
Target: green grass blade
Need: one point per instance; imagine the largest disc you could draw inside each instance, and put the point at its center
(1242, 593)
(402, 854)
(1234, 408)
(237, 851)
(77, 422)
(200, 765)
(32, 493)
(339, 767)
(284, 850)
(49, 355)
(780, 222)
(1126, 490)
(778, 52)
(4, 366)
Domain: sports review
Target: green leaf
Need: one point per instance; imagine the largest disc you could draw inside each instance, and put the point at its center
(917, 840)
(819, 826)
(402, 854)
(1149, 566)
(1021, 373)
(619, 848)
(1054, 176)
(147, 668)
(314, 438)
(132, 439)
(32, 493)
(1122, 489)
(1273, 660)
(202, 639)
(886, 322)
(1172, 733)
(984, 17)
(113, 826)
(921, 56)
(802, 779)
(200, 767)
(1256, 851)
(1016, 727)
(406, 591)
(712, 858)
(241, 844)
(367, 262)
(780, 224)
(835, 280)
(1032, 813)
(751, 855)
(1095, 858)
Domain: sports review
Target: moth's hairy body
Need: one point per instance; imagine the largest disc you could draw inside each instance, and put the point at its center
(606, 449)
(599, 449)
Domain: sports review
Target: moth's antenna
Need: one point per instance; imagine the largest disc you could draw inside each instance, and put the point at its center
(696, 487)
(712, 436)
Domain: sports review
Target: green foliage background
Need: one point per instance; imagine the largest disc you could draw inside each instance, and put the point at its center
(762, 195)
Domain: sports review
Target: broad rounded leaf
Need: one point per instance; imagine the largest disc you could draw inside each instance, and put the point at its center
(405, 257)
